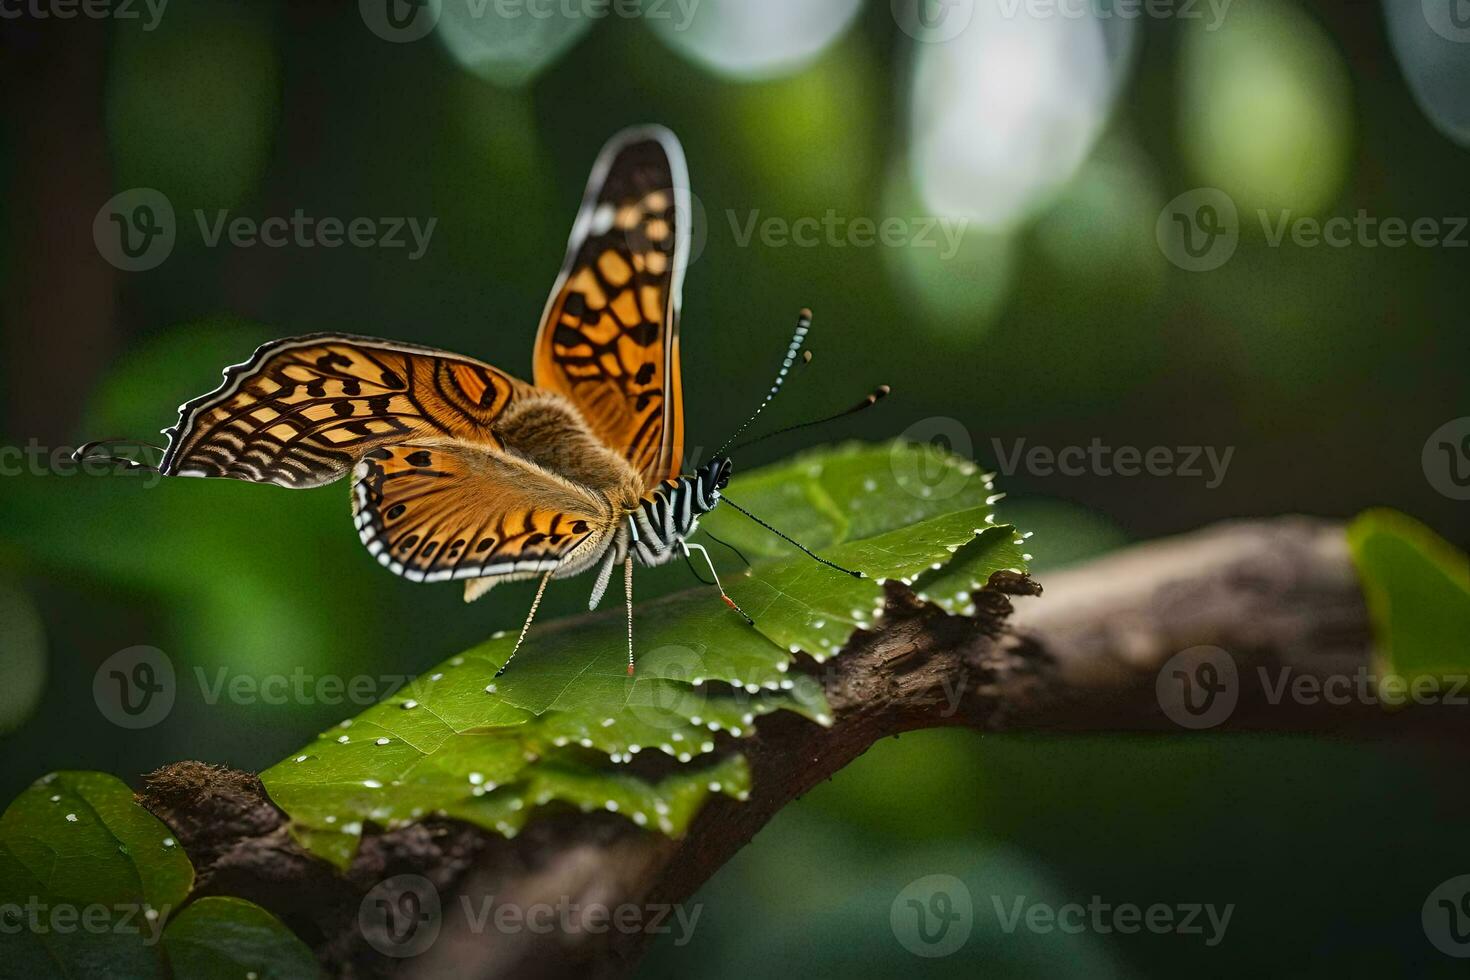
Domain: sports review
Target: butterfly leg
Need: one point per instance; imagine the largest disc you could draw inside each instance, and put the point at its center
(628, 594)
(535, 604)
(723, 595)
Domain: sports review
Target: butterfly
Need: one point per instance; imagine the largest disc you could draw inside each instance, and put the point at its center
(461, 471)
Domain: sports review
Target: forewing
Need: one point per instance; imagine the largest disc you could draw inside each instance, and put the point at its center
(431, 513)
(609, 337)
(303, 410)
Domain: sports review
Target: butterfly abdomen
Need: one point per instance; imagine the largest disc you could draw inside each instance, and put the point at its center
(668, 515)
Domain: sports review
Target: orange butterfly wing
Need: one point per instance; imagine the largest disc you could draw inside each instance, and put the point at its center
(432, 513)
(609, 337)
(303, 410)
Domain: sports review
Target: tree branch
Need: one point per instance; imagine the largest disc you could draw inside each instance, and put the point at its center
(1278, 595)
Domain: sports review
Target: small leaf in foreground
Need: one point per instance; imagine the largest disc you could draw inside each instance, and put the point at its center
(232, 938)
(1418, 591)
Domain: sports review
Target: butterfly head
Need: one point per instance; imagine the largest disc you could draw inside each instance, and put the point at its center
(713, 477)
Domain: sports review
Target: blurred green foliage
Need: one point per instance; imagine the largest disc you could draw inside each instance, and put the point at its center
(1325, 368)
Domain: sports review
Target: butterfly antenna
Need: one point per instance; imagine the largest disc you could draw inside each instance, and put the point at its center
(803, 325)
(874, 397)
(535, 604)
(83, 453)
(725, 544)
(790, 540)
(628, 596)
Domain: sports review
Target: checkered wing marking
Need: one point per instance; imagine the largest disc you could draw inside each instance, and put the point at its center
(303, 410)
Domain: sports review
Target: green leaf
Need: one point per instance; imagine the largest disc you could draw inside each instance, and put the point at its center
(1418, 591)
(562, 724)
(89, 875)
(231, 938)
